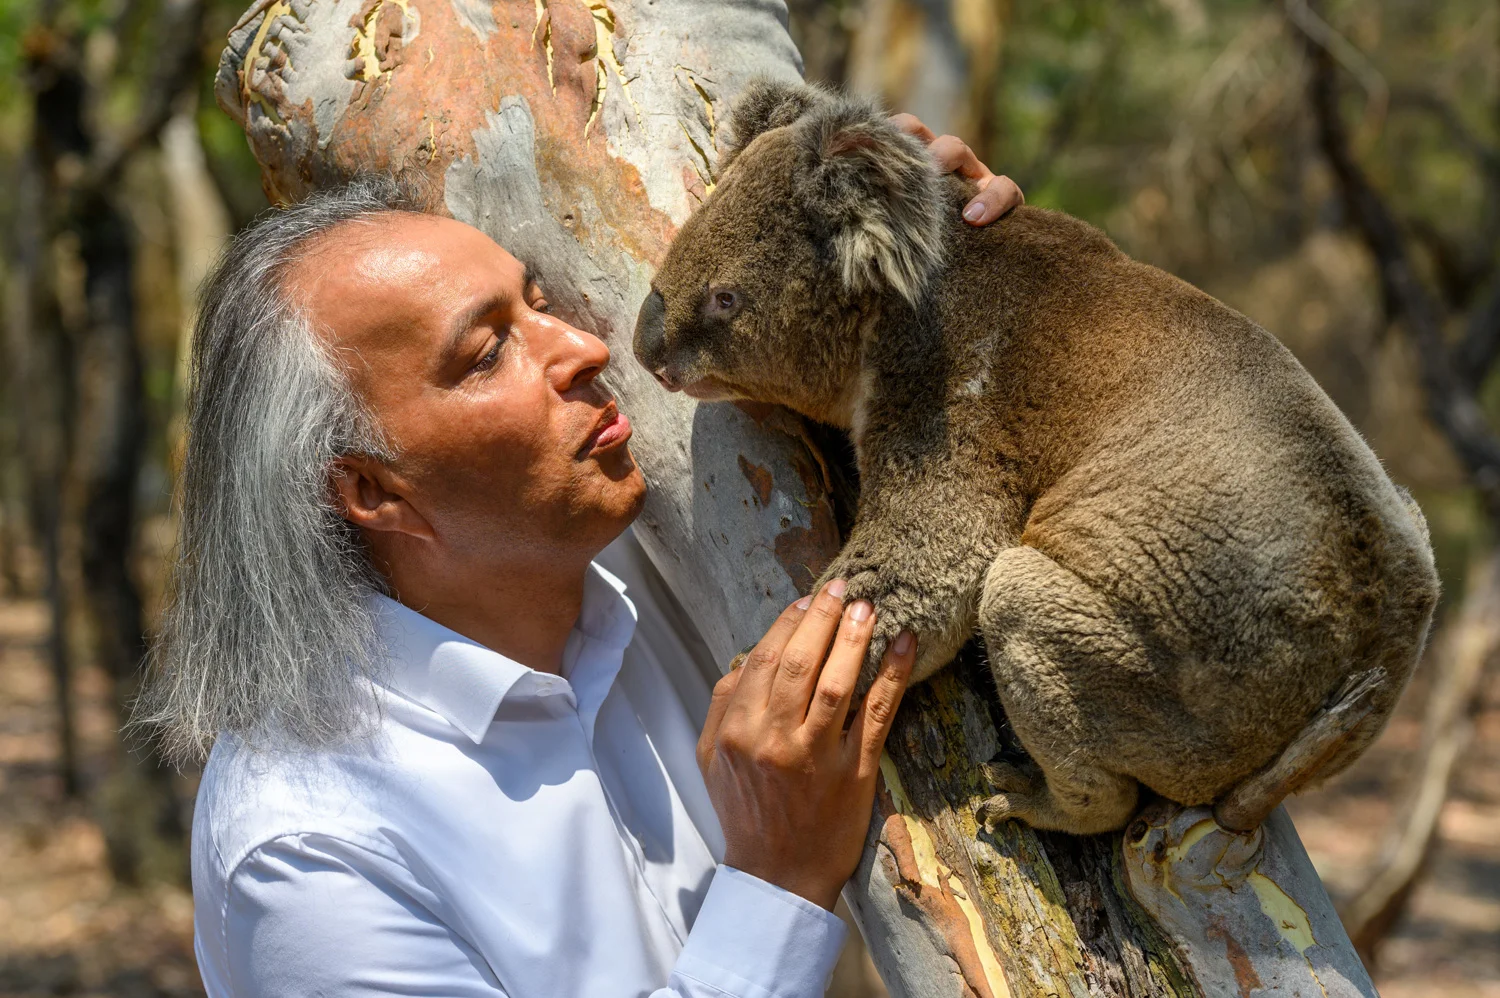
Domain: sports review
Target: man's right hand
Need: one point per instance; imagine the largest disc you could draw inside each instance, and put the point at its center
(792, 787)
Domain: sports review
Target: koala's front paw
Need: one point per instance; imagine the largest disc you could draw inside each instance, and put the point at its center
(1018, 786)
(893, 603)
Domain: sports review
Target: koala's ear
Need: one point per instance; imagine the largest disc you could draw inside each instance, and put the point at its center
(877, 190)
(766, 104)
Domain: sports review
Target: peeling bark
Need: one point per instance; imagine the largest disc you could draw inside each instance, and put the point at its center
(1245, 910)
(580, 134)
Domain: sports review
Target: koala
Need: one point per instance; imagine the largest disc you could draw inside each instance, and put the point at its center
(1174, 545)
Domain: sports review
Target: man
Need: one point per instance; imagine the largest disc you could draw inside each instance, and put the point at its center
(445, 762)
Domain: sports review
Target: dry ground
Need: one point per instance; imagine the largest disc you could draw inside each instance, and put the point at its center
(1448, 943)
(64, 929)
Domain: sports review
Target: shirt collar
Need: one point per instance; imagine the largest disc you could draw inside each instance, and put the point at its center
(465, 682)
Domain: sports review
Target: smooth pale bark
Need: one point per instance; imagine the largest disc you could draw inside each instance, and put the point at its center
(580, 136)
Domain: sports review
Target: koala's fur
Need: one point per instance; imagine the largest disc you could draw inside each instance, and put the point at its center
(1175, 546)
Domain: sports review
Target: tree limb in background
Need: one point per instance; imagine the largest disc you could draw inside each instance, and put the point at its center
(1450, 379)
(1465, 267)
(1460, 659)
(1486, 155)
(178, 34)
(1451, 403)
(1475, 354)
(1335, 46)
(80, 169)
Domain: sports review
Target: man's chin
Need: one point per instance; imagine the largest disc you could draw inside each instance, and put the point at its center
(620, 501)
(624, 485)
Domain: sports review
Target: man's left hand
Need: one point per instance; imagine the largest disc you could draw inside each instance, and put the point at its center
(997, 195)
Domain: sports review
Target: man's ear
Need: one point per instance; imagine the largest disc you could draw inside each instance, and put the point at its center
(765, 104)
(368, 497)
(878, 192)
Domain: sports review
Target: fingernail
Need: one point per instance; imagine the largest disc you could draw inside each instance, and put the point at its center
(836, 588)
(974, 211)
(860, 611)
(803, 603)
(903, 644)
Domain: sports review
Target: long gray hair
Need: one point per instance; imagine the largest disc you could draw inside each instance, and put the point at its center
(268, 625)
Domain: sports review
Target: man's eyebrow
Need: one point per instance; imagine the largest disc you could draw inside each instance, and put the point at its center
(529, 278)
(467, 320)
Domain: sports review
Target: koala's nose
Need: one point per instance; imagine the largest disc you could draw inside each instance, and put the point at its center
(651, 332)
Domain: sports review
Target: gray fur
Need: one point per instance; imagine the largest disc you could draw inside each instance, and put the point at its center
(767, 103)
(871, 187)
(267, 628)
(1174, 544)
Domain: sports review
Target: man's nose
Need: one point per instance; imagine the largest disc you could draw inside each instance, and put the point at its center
(651, 332)
(577, 358)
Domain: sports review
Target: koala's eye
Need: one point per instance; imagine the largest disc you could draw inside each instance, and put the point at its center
(723, 301)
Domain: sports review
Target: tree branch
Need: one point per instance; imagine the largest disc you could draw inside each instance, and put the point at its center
(1486, 155)
(1475, 355)
(1450, 401)
(1475, 261)
(177, 68)
(1319, 32)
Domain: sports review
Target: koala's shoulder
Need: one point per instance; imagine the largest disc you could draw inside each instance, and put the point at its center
(1054, 233)
(1033, 253)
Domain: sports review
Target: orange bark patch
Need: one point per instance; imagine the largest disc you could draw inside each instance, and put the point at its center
(936, 903)
(759, 479)
(805, 551)
(419, 101)
(1246, 980)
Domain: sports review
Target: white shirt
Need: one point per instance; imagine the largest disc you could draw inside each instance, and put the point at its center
(503, 832)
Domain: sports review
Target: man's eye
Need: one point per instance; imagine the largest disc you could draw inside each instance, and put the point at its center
(489, 359)
(543, 306)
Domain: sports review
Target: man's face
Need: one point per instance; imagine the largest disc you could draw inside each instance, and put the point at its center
(508, 447)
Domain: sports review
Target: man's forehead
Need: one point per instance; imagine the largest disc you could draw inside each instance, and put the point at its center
(397, 269)
(396, 262)
(393, 249)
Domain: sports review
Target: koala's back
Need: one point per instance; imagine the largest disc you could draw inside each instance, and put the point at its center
(1179, 460)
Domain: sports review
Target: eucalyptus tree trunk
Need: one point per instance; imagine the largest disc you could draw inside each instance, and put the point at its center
(580, 134)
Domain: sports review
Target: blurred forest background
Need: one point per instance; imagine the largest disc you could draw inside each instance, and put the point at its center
(1331, 169)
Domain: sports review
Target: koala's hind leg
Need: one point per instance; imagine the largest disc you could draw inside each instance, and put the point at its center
(1083, 800)
(1060, 656)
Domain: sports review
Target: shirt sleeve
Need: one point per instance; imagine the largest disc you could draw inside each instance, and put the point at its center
(752, 939)
(316, 915)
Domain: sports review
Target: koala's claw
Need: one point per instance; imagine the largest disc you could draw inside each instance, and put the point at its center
(994, 810)
(1017, 785)
(864, 581)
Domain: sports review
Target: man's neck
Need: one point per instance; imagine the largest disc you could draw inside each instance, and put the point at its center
(523, 612)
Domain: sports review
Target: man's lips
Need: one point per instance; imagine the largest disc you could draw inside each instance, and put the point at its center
(612, 430)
